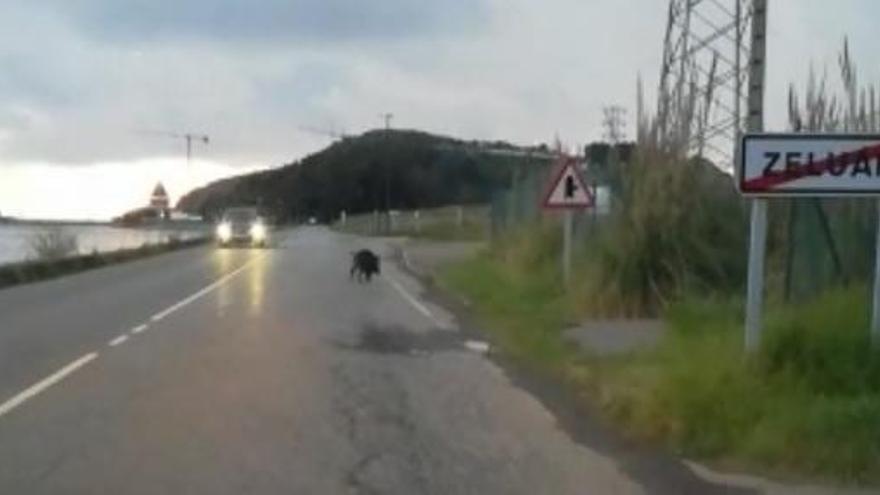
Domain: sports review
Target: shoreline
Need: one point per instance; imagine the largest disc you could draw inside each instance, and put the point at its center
(25, 272)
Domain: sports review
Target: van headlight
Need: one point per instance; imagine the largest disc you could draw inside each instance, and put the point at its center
(224, 232)
(258, 232)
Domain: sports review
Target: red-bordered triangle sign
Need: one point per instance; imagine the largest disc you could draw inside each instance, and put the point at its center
(568, 188)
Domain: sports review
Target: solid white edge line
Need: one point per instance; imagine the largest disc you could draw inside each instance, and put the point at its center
(138, 329)
(194, 297)
(118, 340)
(45, 383)
(412, 300)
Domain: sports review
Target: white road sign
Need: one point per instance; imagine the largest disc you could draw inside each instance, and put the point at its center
(569, 190)
(810, 165)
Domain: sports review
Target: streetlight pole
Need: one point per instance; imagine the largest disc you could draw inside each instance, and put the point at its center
(387, 117)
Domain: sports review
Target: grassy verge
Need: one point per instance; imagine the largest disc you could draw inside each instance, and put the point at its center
(34, 271)
(807, 406)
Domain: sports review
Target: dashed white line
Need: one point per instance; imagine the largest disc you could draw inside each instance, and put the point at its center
(45, 383)
(189, 300)
(61, 374)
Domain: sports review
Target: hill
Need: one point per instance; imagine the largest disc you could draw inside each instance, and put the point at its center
(422, 170)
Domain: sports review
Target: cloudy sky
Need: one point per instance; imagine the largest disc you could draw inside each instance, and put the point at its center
(88, 86)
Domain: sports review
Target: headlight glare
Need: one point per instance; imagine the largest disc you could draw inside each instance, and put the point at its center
(258, 232)
(224, 232)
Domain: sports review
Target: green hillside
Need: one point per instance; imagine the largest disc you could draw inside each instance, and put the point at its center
(422, 171)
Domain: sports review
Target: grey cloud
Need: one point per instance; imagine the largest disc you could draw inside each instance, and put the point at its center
(271, 20)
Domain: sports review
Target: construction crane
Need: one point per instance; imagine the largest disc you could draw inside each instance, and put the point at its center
(189, 137)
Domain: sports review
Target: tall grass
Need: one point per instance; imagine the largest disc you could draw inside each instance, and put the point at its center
(679, 228)
(808, 403)
(828, 241)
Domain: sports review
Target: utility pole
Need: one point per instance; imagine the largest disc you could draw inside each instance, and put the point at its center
(755, 123)
(386, 118)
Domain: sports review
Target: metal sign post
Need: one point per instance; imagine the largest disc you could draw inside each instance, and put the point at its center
(755, 289)
(755, 123)
(569, 192)
(567, 228)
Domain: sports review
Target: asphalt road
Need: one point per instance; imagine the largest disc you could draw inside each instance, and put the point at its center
(235, 371)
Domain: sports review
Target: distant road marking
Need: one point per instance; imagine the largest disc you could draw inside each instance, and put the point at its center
(118, 340)
(47, 382)
(139, 329)
(477, 346)
(191, 299)
(421, 308)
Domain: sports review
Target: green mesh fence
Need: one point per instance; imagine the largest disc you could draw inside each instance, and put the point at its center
(829, 242)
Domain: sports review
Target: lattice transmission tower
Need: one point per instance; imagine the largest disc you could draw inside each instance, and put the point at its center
(704, 77)
(614, 121)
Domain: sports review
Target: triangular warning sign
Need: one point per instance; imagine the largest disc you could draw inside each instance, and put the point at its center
(569, 190)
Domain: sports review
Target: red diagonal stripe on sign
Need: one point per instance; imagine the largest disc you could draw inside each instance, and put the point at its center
(815, 169)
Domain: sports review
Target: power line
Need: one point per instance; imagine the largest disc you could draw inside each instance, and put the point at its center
(386, 118)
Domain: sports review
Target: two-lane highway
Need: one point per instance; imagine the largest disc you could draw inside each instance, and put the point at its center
(237, 371)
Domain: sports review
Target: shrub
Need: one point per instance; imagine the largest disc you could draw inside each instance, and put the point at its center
(53, 243)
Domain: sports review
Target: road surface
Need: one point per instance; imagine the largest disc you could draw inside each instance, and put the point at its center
(213, 371)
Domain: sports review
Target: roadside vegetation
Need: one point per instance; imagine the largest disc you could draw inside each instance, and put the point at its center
(53, 243)
(54, 257)
(806, 405)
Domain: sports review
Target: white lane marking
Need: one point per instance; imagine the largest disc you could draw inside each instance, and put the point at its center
(118, 340)
(477, 346)
(421, 308)
(406, 261)
(191, 299)
(139, 329)
(47, 382)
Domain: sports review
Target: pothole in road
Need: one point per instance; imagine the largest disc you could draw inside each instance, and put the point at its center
(399, 340)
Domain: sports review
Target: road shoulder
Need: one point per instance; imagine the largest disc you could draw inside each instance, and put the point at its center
(581, 421)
